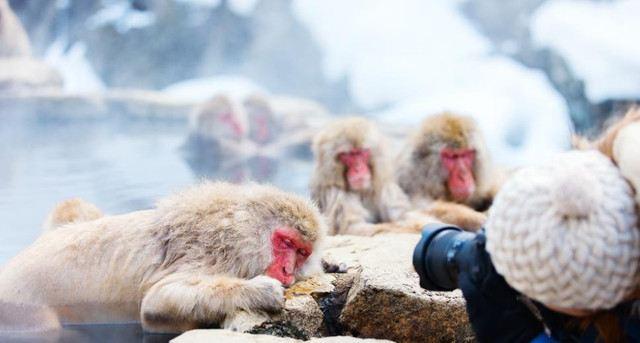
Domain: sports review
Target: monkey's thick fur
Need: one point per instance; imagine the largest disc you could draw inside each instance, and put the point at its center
(196, 260)
(353, 212)
(420, 172)
(71, 211)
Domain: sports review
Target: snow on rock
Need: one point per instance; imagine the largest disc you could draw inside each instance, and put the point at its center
(121, 15)
(599, 41)
(77, 72)
(394, 51)
(204, 88)
(523, 119)
(241, 7)
(420, 57)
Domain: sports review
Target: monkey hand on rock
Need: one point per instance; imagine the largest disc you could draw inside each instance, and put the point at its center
(456, 214)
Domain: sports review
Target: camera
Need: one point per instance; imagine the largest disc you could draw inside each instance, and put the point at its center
(443, 252)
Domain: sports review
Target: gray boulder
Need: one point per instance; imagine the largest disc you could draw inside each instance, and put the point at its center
(386, 300)
(117, 102)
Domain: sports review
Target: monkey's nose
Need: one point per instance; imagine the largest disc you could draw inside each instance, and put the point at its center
(287, 270)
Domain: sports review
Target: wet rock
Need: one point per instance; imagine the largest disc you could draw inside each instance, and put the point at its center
(197, 336)
(26, 74)
(378, 296)
(304, 307)
(386, 300)
(280, 329)
(14, 41)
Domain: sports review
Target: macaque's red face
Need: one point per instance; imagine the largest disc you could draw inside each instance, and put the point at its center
(290, 251)
(358, 171)
(459, 165)
(232, 122)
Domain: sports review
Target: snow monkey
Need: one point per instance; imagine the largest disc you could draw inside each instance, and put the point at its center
(217, 123)
(352, 181)
(264, 126)
(202, 258)
(446, 163)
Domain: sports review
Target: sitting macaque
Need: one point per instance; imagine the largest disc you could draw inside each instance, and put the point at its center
(445, 170)
(203, 258)
(217, 125)
(264, 126)
(352, 181)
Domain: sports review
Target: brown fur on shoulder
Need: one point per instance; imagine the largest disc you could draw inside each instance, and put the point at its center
(191, 205)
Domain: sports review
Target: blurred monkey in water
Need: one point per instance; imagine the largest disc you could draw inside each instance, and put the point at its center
(202, 258)
(446, 170)
(217, 126)
(352, 180)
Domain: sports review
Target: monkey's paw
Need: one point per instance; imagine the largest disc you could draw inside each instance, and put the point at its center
(271, 294)
(242, 321)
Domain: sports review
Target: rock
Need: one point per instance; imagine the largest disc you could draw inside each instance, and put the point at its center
(386, 300)
(268, 44)
(126, 103)
(378, 297)
(217, 335)
(14, 41)
(302, 307)
(20, 74)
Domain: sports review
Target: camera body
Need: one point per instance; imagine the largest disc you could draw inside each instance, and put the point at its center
(443, 251)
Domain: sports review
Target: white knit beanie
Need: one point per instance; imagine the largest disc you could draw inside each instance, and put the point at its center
(566, 234)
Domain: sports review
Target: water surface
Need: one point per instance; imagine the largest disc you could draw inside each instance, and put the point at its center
(120, 165)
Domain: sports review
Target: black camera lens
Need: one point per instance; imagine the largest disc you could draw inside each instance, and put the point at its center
(436, 257)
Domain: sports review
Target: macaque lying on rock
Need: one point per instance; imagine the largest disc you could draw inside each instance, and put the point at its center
(205, 257)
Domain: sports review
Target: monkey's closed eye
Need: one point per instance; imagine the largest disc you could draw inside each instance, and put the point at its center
(288, 243)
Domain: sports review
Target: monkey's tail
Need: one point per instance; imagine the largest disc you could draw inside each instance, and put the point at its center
(70, 211)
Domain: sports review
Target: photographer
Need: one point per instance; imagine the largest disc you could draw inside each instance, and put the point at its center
(559, 260)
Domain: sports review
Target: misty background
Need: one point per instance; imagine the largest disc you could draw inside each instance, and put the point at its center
(110, 124)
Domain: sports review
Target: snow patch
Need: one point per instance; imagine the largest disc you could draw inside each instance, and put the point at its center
(598, 40)
(241, 7)
(392, 51)
(122, 16)
(77, 72)
(204, 88)
(419, 57)
(523, 119)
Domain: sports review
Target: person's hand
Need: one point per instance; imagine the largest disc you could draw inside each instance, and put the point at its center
(494, 308)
